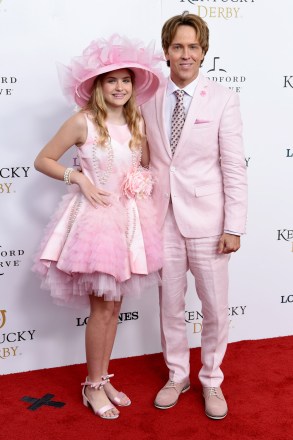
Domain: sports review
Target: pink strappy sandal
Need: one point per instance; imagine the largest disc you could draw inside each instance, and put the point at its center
(101, 411)
(117, 399)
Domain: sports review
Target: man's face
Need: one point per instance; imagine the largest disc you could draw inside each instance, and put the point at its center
(185, 55)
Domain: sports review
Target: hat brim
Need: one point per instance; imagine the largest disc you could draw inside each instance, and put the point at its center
(146, 83)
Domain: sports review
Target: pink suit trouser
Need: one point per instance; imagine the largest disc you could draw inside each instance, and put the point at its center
(210, 271)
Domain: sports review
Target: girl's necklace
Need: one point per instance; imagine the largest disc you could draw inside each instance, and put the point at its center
(103, 176)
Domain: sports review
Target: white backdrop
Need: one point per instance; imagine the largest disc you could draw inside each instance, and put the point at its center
(249, 51)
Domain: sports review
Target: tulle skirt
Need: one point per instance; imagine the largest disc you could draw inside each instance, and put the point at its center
(108, 252)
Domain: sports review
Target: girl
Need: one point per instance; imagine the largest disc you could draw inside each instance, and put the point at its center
(102, 243)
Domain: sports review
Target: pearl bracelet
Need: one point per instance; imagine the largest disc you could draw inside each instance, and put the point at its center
(67, 174)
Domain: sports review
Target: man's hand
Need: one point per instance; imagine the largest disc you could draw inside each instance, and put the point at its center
(228, 243)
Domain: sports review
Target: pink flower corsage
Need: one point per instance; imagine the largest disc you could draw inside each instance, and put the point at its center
(138, 183)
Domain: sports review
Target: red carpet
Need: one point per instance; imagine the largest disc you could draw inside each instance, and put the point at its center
(258, 386)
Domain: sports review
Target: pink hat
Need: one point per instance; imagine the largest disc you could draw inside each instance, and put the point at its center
(103, 56)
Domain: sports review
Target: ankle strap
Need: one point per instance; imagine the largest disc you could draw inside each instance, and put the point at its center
(98, 385)
(107, 377)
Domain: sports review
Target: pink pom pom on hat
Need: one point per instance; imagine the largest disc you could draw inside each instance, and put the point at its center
(103, 56)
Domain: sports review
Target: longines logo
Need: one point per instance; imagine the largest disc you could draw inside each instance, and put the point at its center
(288, 81)
(219, 74)
(9, 258)
(286, 235)
(217, 8)
(75, 161)
(289, 152)
(123, 317)
(11, 174)
(128, 316)
(286, 299)
(6, 85)
(12, 338)
(195, 318)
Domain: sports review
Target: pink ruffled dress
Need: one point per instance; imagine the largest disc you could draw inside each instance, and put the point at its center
(108, 251)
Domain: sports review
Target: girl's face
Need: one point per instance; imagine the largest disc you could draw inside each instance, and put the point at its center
(117, 88)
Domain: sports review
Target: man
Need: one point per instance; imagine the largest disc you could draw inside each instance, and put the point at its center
(201, 195)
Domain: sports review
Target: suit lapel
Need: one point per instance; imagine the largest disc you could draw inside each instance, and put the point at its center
(160, 109)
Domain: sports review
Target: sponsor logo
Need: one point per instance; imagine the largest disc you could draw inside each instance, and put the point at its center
(219, 74)
(247, 159)
(23, 335)
(128, 316)
(9, 258)
(12, 338)
(3, 318)
(9, 175)
(80, 322)
(286, 299)
(195, 318)
(286, 235)
(123, 317)
(7, 84)
(289, 152)
(288, 82)
(75, 162)
(220, 9)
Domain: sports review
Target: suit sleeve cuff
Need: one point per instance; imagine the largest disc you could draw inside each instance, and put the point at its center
(227, 231)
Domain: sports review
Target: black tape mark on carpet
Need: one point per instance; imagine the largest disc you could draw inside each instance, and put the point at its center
(43, 401)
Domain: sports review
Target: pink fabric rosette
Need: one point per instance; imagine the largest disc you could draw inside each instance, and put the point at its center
(138, 183)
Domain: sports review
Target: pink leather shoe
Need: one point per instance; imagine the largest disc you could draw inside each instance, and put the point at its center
(168, 396)
(115, 398)
(101, 411)
(215, 404)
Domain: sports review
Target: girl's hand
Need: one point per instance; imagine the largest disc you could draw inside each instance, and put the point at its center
(94, 195)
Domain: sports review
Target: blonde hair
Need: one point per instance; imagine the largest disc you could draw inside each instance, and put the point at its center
(98, 108)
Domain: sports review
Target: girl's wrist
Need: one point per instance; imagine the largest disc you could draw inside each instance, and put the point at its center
(71, 176)
(67, 175)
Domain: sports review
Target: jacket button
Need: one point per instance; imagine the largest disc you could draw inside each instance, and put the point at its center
(172, 169)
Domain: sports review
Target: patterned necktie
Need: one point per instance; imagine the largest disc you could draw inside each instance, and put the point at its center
(178, 118)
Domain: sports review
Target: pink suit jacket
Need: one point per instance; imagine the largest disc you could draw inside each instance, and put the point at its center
(206, 177)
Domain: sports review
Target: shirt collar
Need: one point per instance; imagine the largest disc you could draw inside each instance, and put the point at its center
(189, 89)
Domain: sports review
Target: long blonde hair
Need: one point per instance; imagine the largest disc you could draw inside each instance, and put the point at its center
(98, 108)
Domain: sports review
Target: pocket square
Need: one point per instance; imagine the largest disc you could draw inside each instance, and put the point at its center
(201, 121)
